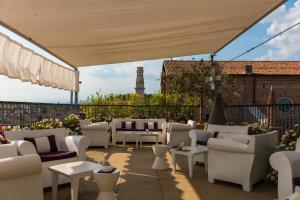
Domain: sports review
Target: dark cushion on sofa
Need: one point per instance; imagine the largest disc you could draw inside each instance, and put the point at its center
(203, 143)
(59, 155)
(296, 181)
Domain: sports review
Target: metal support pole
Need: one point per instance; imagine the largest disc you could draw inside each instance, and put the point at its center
(77, 85)
(76, 98)
(71, 97)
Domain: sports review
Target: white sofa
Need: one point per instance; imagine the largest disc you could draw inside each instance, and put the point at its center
(96, 132)
(179, 132)
(116, 127)
(287, 163)
(66, 146)
(20, 176)
(240, 158)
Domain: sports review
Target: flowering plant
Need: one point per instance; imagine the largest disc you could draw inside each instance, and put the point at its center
(46, 124)
(259, 128)
(72, 123)
(3, 140)
(288, 143)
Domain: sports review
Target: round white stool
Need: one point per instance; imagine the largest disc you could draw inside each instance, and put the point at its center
(106, 182)
(160, 161)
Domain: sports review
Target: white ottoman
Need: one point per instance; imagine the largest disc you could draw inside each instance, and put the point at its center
(106, 182)
(160, 161)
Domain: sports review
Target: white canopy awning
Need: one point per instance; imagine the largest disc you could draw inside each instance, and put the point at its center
(92, 32)
(22, 63)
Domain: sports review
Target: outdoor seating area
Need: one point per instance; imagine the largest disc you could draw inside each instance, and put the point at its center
(205, 164)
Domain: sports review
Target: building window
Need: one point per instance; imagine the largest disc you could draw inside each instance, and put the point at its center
(286, 104)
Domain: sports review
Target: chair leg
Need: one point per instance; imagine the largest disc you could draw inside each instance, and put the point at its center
(247, 187)
(211, 180)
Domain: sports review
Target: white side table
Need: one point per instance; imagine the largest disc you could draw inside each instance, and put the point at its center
(105, 183)
(190, 156)
(73, 170)
(160, 161)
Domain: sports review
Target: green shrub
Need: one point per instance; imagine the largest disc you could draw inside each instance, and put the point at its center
(171, 106)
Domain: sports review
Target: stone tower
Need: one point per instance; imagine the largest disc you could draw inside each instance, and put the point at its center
(139, 88)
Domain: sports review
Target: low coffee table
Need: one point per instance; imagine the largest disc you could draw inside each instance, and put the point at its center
(138, 136)
(73, 170)
(190, 155)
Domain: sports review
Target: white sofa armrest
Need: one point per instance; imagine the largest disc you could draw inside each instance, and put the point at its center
(79, 144)
(227, 146)
(24, 147)
(287, 163)
(8, 150)
(20, 166)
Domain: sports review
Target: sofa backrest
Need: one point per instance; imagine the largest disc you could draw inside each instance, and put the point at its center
(59, 133)
(84, 122)
(228, 129)
(265, 143)
(139, 122)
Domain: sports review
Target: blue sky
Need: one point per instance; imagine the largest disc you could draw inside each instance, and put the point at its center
(120, 78)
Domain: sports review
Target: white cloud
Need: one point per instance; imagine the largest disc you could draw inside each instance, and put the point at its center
(287, 45)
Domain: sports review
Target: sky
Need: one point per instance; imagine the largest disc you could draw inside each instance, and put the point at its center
(120, 78)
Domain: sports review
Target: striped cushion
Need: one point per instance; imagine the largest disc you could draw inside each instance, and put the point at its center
(44, 144)
(151, 126)
(128, 125)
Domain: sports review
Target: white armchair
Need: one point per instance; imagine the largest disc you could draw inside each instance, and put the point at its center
(241, 159)
(178, 132)
(96, 132)
(287, 163)
(20, 176)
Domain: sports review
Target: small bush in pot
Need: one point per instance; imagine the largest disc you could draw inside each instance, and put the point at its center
(72, 123)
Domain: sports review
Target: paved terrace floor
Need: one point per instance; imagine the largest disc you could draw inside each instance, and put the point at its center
(138, 181)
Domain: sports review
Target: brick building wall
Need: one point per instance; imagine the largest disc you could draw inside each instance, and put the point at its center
(254, 89)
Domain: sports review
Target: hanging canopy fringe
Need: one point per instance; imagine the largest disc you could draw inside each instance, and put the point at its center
(19, 62)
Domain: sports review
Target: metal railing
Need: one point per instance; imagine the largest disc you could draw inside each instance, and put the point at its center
(281, 116)
(24, 113)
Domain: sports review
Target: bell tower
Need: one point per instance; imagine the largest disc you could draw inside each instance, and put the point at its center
(140, 88)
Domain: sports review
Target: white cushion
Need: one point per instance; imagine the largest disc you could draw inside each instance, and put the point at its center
(42, 144)
(151, 125)
(128, 125)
